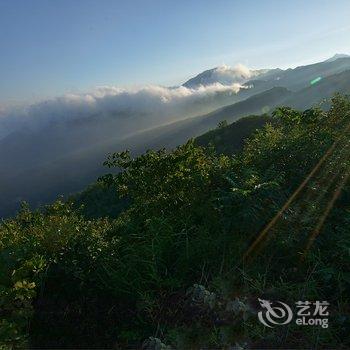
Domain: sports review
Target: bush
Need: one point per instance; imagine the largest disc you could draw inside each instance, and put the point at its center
(199, 239)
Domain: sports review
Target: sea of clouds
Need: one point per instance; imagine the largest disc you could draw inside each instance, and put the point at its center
(158, 102)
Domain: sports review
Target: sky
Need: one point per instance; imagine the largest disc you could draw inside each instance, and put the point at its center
(52, 47)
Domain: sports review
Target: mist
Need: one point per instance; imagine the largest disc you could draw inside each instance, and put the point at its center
(57, 146)
(142, 107)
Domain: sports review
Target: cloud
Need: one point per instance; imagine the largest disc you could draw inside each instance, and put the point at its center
(238, 74)
(155, 104)
(225, 75)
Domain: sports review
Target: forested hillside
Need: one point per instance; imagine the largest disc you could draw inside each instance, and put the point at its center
(62, 142)
(175, 250)
(229, 139)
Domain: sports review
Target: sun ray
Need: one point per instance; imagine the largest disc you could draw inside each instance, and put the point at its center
(329, 153)
(327, 211)
(325, 182)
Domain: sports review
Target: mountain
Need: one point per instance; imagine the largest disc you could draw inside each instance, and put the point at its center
(301, 77)
(230, 139)
(46, 172)
(227, 76)
(178, 132)
(65, 156)
(323, 89)
(336, 56)
(293, 79)
(186, 214)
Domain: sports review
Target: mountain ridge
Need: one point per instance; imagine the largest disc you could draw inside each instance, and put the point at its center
(63, 159)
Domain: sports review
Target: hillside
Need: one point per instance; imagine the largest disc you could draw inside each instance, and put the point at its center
(177, 133)
(64, 156)
(198, 239)
(327, 87)
(264, 102)
(230, 139)
(66, 170)
(300, 77)
(174, 175)
(292, 79)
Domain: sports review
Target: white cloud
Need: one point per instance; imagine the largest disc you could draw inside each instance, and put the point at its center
(237, 74)
(225, 75)
(158, 103)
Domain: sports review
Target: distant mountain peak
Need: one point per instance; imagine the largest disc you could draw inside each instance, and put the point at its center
(337, 56)
(224, 75)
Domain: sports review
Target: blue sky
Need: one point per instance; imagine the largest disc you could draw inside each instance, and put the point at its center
(50, 47)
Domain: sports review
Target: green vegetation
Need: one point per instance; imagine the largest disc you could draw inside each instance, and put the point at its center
(164, 266)
(230, 139)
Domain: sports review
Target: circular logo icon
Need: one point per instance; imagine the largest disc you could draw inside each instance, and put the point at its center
(274, 315)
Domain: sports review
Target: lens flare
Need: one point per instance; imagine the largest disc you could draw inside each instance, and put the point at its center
(337, 149)
(315, 81)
